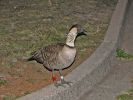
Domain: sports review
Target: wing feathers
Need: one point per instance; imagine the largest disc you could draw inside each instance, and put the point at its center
(48, 54)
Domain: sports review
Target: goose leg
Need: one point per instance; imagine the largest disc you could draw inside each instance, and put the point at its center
(63, 80)
(54, 78)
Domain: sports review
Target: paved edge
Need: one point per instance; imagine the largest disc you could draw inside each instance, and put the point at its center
(94, 69)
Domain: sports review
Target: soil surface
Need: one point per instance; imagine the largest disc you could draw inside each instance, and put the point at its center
(26, 25)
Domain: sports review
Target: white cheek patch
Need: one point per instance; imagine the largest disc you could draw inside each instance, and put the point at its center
(73, 30)
(71, 38)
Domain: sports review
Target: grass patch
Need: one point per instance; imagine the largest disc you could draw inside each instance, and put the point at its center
(3, 82)
(26, 30)
(120, 53)
(9, 98)
(127, 95)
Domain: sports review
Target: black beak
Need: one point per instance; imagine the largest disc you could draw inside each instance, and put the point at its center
(82, 33)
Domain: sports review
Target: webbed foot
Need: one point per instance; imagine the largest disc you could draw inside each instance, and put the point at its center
(62, 83)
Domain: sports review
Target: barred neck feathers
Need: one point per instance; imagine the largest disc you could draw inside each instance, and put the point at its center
(71, 37)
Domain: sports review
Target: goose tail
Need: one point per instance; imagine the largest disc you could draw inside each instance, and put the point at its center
(30, 59)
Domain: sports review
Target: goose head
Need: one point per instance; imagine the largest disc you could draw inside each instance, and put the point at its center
(74, 31)
(77, 30)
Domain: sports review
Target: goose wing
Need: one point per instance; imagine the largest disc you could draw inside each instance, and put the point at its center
(47, 55)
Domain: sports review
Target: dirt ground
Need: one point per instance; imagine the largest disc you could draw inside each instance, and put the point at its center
(26, 25)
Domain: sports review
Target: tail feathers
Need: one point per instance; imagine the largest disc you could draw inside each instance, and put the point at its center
(37, 57)
(30, 59)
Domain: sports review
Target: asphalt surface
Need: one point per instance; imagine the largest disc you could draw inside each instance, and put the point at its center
(119, 79)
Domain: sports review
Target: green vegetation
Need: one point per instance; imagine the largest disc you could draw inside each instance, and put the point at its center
(22, 43)
(9, 98)
(120, 53)
(2, 82)
(126, 96)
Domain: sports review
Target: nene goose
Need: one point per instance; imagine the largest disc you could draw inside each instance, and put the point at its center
(56, 57)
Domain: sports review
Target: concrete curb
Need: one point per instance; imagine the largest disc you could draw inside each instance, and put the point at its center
(94, 69)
